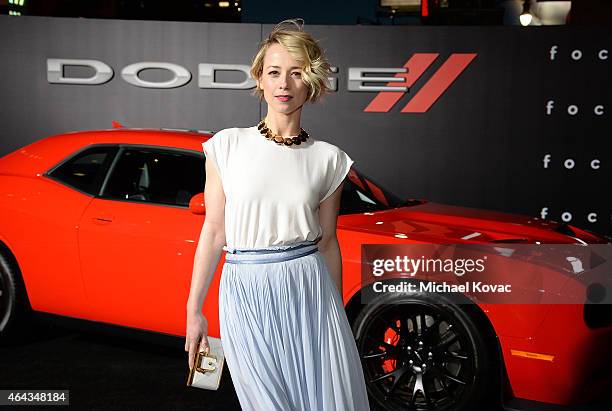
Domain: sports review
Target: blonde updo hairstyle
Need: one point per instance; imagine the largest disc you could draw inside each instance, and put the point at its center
(304, 49)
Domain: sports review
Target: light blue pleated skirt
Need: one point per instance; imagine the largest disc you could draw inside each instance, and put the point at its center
(285, 334)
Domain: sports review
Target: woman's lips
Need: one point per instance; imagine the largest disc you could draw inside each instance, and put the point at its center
(284, 98)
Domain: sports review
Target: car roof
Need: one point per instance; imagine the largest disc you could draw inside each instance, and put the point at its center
(180, 137)
(46, 152)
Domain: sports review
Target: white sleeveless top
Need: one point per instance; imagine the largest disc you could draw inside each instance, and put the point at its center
(273, 192)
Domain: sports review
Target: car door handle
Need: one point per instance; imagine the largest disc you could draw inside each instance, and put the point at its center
(102, 220)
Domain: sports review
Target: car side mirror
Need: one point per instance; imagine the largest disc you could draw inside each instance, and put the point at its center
(196, 204)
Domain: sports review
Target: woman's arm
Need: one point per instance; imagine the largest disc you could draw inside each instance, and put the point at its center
(328, 245)
(206, 259)
(211, 242)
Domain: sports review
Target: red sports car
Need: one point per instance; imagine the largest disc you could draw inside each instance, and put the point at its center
(103, 226)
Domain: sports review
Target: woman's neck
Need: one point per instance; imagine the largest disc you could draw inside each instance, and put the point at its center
(286, 125)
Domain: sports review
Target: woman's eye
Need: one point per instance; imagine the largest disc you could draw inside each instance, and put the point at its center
(274, 72)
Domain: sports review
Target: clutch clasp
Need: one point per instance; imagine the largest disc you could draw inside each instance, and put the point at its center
(205, 363)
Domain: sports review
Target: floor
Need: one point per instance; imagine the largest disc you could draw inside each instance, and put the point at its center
(115, 370)
(108, 372)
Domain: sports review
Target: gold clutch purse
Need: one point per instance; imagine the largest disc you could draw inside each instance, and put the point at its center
(208, 366)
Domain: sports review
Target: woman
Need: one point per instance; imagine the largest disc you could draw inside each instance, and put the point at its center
(272, 195)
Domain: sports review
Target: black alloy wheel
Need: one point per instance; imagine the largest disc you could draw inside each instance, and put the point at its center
(422, 352)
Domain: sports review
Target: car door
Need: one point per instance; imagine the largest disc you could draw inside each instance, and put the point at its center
(138, 238)
(53, 207)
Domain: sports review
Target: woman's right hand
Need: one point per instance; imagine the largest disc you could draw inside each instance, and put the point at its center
(196, 336)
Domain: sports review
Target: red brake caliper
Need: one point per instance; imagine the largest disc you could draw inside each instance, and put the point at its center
(391, 337)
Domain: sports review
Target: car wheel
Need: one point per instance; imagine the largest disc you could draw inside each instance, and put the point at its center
(14, 307)
(422, 352)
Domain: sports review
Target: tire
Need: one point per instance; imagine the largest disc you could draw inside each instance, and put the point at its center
(14, 306)
(396, 334)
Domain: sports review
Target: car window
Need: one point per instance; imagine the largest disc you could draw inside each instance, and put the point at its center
(156, 176)
(85, 170)
(360, 194)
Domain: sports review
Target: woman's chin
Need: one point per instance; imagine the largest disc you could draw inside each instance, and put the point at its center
(285, 109)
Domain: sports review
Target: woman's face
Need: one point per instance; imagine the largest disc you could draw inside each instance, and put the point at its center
(281, 81)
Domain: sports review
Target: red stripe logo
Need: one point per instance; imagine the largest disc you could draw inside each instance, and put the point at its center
(431, 91)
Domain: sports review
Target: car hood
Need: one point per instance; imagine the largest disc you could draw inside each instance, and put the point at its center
(441, 223)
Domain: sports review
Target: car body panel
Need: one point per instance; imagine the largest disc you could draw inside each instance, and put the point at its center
(42, 234)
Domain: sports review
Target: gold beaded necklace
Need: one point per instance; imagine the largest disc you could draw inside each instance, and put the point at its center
(280, 140)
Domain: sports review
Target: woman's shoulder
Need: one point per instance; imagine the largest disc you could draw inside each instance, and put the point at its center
(332, 155)
(225, 133)
(232, 132)
(224, 137)
(326, 147)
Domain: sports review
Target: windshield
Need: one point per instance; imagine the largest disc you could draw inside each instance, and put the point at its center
(360, 194)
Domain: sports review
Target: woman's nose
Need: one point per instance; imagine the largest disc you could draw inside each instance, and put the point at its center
(284, 82)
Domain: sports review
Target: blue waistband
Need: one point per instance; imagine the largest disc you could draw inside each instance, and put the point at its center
(270, 255)
(275, 249)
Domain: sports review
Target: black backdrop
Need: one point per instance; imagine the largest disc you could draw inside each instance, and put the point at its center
(491, 140)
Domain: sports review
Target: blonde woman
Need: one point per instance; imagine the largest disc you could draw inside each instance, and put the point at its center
(272, 198)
